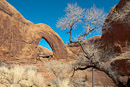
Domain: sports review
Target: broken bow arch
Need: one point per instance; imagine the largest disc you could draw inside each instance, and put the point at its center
(54, 40)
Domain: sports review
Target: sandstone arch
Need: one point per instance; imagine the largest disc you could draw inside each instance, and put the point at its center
(53, 39)
(20, 37)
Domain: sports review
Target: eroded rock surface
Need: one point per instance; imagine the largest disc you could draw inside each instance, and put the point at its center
(20, 37)
(116, 35)
(122, 66)
(116, 29)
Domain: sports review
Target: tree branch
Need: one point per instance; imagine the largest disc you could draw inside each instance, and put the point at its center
(67, 32)
(75, 22)
(85, 34)
(96, 64)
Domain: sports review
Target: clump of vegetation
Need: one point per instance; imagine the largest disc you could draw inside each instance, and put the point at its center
(86, 78)
(63, 75)
(61, 72)
(20, 76)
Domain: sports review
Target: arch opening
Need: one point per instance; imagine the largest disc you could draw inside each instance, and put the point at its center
(44, 49)
(43, 43)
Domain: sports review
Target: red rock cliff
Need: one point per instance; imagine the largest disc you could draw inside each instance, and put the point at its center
(116, 29)
(116, 33)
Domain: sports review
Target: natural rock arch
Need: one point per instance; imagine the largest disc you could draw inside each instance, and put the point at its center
(53, 39)
(20, 37)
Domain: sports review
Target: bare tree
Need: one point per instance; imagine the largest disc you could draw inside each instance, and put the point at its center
(73, 16)
(93, 20)
(91, 61)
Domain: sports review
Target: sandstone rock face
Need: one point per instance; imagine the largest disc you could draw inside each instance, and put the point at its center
(116, 34)
(20, 37)
(116, 29)
(122, 66)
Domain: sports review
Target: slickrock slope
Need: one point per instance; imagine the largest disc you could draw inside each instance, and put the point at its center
(19, 37)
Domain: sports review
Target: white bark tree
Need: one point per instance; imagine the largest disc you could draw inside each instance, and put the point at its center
(73, 16)
(93, 21)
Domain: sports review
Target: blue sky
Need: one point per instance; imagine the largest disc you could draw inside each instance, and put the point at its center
(48, 12)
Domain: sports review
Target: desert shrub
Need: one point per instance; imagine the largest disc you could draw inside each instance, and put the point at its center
(102, 54)
(21, 76)
(86, 78)
(61, 71)
(61, 82)
(80, 81)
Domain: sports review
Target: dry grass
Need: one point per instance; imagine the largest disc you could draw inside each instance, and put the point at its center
(20, 76)
(63, 72)
(122, 13)
(61, 82)
(107, 54)
(64, 82)
(101, 55)
(59, 69)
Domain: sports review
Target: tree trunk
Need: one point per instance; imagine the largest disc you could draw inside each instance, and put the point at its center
(112, 74)
(93, 80)
(70, 35)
